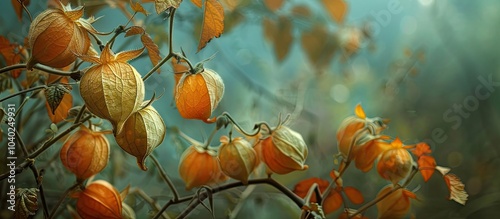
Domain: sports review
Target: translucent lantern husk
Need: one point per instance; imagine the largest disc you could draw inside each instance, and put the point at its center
(85, 153)
(199, 166)
(143, 131)
(284, 151)
(237, 158)
(99, 200)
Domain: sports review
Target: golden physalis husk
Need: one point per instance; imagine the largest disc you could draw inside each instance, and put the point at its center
(395, 164)
(284, 151)
(199, 166)
(112, 89)
(85, 153)
(127, 212)
(237, 158)
(197, 95)
(56, 35)
(99, 200)
(143, 131)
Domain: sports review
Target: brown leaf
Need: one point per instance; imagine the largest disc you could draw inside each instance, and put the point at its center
(284, 38)
(354, 195)
(62, 110)
(301, 11)
(269, 29)
(336, 8)
(137, 7)
(18, 8)
(26, 203)
(153, 50)
(197, 3)
(457, 188)
(273, 5)
(163, 5)
(134, 30)
(54, 95)
(427, 166)
(319, 45)
(213, 22)
(10, 53)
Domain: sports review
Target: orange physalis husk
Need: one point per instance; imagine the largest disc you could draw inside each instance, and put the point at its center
(284, 151)
(56, 35)
(395, 205)
(199, 166)
(237, 158)
(357, 131)
(368, 153)
(85, 153)
(143, 131)
(112, 89)
(99, 200)
(197, 95)
(395, 164)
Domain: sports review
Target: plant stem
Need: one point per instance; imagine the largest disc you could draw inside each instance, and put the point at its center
(149, 200)
(165, 177)
(195, 201)
(21, 144)
(39, 178)
(238, 127)
(65, 194)
(40, 67)
(24, 91)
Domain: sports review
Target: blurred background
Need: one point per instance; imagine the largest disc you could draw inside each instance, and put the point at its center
(431, 67)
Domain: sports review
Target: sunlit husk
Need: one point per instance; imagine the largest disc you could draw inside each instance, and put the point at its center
(112, 91)
(99, 200)
(85, 153)
(395, 205)
(143, 131)
(197, 95)
(284, 151)
(55, 36)
(394, 164)
(346, 133)
(237, 158)
(200, 167)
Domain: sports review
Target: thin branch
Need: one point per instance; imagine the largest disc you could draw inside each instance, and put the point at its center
(149, 200)
(41, 67)
(63, 197)
(39, 178)
(23, 92)
(165, 177)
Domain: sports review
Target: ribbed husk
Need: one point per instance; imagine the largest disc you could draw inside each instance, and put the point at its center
(99, 200)
(237, 158)
(199, 166)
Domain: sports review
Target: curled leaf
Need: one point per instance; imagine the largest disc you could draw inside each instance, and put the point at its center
(137, 7)
(213, 22)
(163, 5)
(457, 188)
(54, 95)
(26, 202)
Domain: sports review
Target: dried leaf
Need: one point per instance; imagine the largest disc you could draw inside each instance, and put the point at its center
(301, 11)
(5, 82)
(283, 38)
(421, 149)
(336, 8)
(54, 95)
(427, 165)
(354, 195)
(269, 29)
(163, 5)
(134, 30)
(213, 22)
(302, 188)
(61, 111)
(457, 188)
(26, 203)
(197, 3)
(273, 5)
(137, 7)
(18, 8)
(319, 46)
(332, 202)
(395, 205)
(443, 170)
(153, 50)
(11, 54)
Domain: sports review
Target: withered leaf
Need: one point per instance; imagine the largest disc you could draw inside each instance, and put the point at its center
(134, 30)
(284, 38)
(273, 5)
(54, 95)
(163, 5)
(319, 45)
(336, 8)
(18, 7)
(137, 7)
(213, 22)
(153, 50)
(26, 202)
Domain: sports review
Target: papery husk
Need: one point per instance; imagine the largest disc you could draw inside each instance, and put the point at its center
(284, 151)
(85, 153)
(112, 89)
(99, 200)
(237, 158)
(55, 36)
(143, 131)
(198, 95)
(395, 164)
(199, 166)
